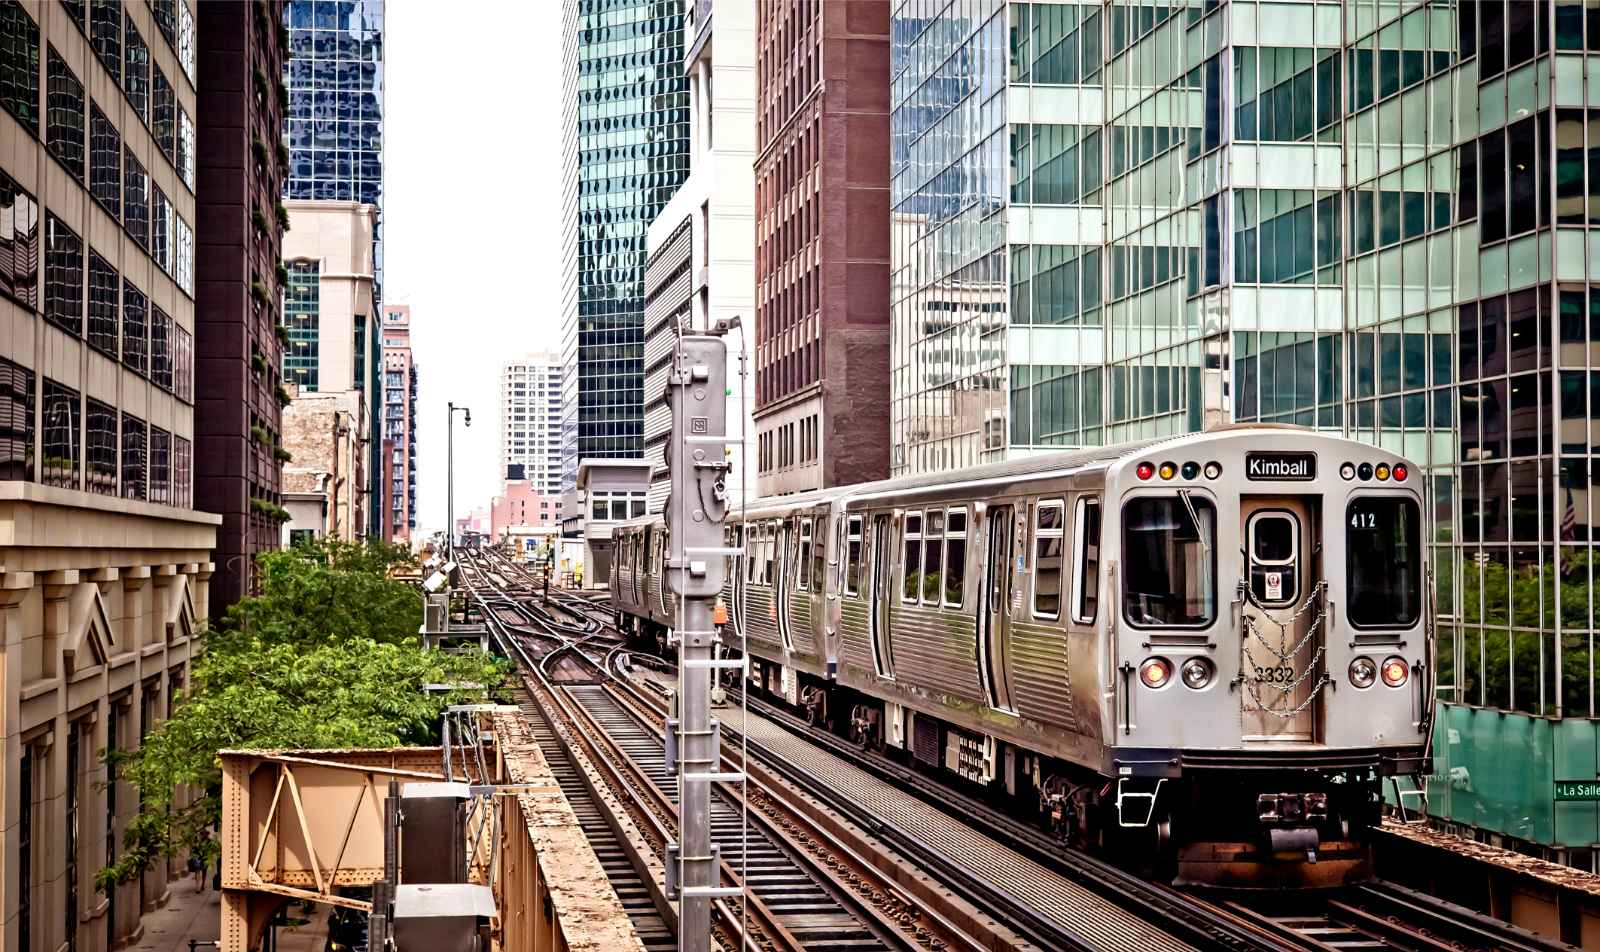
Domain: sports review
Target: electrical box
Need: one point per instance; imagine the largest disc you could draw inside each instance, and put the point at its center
(436, 614)
(433, 838)
(697, 460)
(442, 917)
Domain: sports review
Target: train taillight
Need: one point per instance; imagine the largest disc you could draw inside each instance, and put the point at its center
(1395, 671)
(1401, 471)
(1145, 470)
(1155, 672)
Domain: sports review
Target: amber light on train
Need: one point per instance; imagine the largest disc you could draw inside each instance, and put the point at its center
(1155, 672)
(1168, 470)
(1395, 671)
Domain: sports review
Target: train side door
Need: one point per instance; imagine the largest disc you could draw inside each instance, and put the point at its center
(1281, 650)
(883, 550)
(994, 608)
(737, 570)
(781, 584)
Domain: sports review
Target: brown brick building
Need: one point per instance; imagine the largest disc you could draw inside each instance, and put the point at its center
(822, 244)
(237, 414)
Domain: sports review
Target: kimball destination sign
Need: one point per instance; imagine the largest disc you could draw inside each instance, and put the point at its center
(1295, 467)
(1578, 789)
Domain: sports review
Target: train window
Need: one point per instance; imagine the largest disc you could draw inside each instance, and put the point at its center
(803, 568)
(1087, 604)
(852, 557)
(1274, 539)
(911, 565)
(1048, 537)
(771, 556)
(955, 557)
(1384, 562)
(932, 557)
(819, 554)
(1169, 576)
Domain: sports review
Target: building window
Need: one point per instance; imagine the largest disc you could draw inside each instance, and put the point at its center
(302, 319)
(166, 17)
(19, 239)
(64, 116)
(136, 76)
(100, 448)
(135, 329)
(160, 466)
(135, 456)
(105, 162)
(19, 65)
(102, 305)
(185, 159)
(182, 473)
(164, 114)
(160, 349)
(63, 277)
(135, 199)
(183, 252)
(186, 40)
(25, 842)
(105, 34)
(16, 422)
(58, 423)
(183, 363)
(160, 229)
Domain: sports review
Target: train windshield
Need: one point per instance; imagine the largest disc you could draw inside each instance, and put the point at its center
(1169, 577)
(1384, 561)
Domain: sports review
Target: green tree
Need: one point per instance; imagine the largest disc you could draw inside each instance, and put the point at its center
(326, 656)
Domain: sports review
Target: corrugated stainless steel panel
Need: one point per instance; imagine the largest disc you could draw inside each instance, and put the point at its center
(855, 637)
(762, 629)
(805, 641)
(935, 650)
(1040, 688)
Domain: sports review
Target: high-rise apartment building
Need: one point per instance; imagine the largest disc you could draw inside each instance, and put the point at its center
(399, 425)
(107, 562)
(530, 422)
(239, 298)
(1124, 220)
(625, 135)
(334, 130)
(822, 255)
(334, 346)
(701, 268)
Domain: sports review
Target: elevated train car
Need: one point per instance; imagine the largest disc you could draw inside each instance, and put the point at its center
(1210, 649)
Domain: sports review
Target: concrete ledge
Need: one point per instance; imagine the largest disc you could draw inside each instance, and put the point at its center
(549, 864)
(1556, 901)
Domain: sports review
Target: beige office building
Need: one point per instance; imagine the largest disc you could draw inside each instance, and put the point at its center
(104, 565)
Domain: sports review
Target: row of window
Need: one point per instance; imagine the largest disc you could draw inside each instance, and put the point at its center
(145, 339)
(86, 444)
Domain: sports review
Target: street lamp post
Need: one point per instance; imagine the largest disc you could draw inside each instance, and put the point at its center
(450, 480)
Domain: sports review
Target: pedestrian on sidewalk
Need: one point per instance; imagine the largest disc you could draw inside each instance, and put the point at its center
(197, 860)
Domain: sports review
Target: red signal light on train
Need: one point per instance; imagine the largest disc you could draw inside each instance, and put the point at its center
(1395, 671)
(1400, 472)
(1155, 672)
(1145, 470)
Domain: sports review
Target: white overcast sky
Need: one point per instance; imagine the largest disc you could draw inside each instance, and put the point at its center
(472, 211)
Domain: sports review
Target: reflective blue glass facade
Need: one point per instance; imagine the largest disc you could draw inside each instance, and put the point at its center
(627, 141)
(1121, 220)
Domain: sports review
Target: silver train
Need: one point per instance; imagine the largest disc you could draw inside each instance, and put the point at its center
(1210, 649)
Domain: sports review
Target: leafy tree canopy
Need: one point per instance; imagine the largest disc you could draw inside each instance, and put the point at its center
(326, 656)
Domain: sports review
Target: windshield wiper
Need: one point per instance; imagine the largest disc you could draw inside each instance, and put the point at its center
(1194, 517)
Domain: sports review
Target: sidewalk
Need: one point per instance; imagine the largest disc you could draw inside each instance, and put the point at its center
(191, 914)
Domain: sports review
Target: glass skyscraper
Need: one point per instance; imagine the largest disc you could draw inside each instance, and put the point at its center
(1121, 220)
(334, 131)
(626, 134)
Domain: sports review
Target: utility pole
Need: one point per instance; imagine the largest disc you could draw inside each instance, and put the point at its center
(450, 481)
(697, 564)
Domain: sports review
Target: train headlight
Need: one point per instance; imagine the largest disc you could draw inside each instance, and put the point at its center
(1363, 672)
(1191, 470)
(1348, 471)
(1213, 470)
(1395, 671)
(1155, 672)
(1145, 471)
(1168, 470)
(1197, 673)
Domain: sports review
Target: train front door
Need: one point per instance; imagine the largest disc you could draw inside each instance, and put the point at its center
(994, 607)
(1282, 662)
